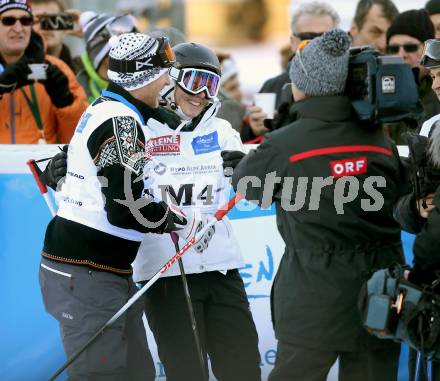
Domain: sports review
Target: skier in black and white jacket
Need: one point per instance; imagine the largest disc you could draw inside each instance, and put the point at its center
(85, 272)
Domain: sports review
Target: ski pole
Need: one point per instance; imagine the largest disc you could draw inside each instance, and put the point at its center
(175, 239)
(217, 217)
(36, 172)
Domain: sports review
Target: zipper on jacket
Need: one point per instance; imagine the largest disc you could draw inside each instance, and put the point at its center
(11, 110)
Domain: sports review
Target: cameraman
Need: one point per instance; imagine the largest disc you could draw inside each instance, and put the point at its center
(418, 213)
(330, 247)
(409, 208)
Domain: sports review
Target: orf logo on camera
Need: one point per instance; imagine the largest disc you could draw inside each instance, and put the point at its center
(388, 84)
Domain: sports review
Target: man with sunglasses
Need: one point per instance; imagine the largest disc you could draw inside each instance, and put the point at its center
(405, 38)
(309, 21)
(39, 103)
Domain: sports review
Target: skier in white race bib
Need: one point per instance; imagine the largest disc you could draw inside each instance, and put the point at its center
(186, 168)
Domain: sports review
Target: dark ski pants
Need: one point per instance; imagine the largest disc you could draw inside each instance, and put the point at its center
(295, 363)
(224, 323)
(82, 300)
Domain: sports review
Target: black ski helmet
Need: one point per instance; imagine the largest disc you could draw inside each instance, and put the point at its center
(190, 54)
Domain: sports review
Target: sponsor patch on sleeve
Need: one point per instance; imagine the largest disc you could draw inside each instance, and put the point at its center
(349, 167)
(83, 122)
(205, 143)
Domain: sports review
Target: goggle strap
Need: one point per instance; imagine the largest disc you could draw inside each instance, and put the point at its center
(125, 66)
(175, 73)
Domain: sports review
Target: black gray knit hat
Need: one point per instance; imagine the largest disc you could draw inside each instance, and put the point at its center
(98, 31)
(320, 66)
(132, 47)
(96, 42)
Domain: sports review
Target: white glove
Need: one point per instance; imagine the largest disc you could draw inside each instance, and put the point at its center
(203, 243)
(186, 224)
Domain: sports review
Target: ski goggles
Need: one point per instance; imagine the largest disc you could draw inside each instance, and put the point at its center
(164, 57)
(431, 51)
(195, 81)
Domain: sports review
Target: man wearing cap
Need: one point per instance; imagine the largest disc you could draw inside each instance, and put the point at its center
(38, 103)
(85, 273)
(433, 9)
(405, 37)
(307, 168)
(98, 29)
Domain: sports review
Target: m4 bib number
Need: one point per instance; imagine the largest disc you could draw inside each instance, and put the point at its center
(186, 195)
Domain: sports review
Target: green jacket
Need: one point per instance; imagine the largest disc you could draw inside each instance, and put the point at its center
(89, 79)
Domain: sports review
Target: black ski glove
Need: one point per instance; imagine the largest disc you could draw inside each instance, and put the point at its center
(15, 76)
(57, 87)
(56, 169)
(231, 160)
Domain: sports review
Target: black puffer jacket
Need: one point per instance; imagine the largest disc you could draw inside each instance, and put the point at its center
(331, 245)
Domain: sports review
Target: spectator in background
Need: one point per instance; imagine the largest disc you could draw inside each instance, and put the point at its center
(433, 8)
(30, 111)
(54, 39)
(230, 94)
(371, 22)
(405, 37)
(174, 35)
(309, 21)
(97, 32)
(286, 55)
(230, 83)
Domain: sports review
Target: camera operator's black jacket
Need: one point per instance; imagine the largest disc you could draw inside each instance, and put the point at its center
(426, 253)
(327, 255)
